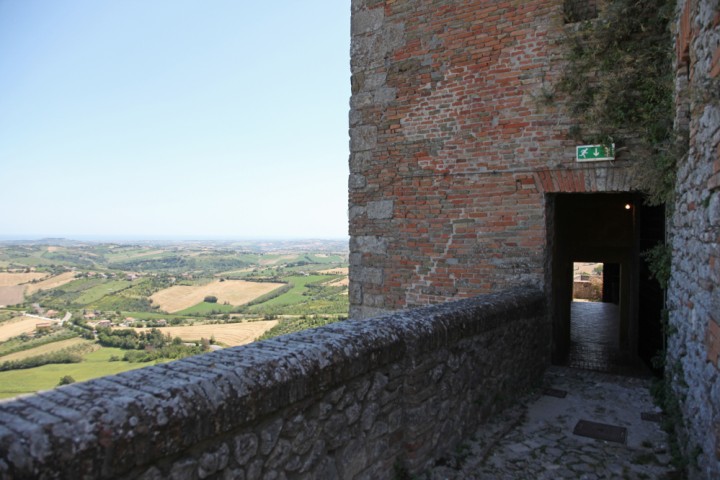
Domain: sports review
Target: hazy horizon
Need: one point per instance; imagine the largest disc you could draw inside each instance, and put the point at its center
(149, 238)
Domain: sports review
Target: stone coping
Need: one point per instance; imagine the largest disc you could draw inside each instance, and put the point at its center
(114, 424)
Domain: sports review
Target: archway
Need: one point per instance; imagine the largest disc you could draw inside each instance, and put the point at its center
(620, 331)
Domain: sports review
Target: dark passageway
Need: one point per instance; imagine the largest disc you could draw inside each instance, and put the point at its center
(622, 333)
(594, 345)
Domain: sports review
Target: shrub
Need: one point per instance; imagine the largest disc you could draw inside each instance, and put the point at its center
(210, 299)
(66, 380)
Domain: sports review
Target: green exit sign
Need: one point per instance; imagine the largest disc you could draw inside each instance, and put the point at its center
(594, 153)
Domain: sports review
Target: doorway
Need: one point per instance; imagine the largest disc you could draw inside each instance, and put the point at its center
(595, 316)
(616, 328)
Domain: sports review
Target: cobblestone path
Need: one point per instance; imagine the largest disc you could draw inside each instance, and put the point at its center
(535, 439)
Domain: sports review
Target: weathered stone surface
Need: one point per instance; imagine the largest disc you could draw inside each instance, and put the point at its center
(381, 209)
(693, 294)
(246, 447)
(370, 244)
(363, 138)
(357, 181)
(341, 400)
(366, 21)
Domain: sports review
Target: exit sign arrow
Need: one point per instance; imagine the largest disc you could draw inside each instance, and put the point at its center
(594, 153)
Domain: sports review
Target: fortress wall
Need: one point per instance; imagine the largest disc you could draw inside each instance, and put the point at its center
(352, 400)
(693, 295)
(457, 132)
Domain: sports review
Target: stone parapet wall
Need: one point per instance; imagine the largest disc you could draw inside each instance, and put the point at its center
(351, 400)
(694, 292)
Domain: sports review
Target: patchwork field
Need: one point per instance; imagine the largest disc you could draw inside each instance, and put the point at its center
(96, 293)
(234, 292)
(133, 254)
(51, 282)
(95, 364)
(8, 279)
(49, 348)
(230, 334)
(340, 282)
(12, 295)
(18, 326)
(275, 259)
(335, 271)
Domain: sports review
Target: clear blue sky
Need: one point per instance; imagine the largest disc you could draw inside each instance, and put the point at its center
(163, 118)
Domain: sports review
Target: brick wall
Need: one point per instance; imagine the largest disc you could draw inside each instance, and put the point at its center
(349, 400)
(457, 133)
(694, 297)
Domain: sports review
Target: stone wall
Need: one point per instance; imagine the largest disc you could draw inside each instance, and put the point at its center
(694, 294)
(351, 400)
(457, 135)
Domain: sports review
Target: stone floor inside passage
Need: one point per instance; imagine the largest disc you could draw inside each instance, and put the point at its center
(542, 437)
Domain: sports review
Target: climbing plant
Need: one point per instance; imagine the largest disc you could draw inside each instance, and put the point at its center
(620, 85)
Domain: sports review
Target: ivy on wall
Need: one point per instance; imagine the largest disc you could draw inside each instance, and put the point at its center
(620, 83)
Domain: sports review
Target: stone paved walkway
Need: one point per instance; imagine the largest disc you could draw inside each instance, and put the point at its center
(535, 440)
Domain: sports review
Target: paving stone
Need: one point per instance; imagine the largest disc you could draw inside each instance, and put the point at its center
(542, 445)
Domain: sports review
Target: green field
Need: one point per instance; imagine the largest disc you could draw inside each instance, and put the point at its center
(309, 295)
(95, 364)
(97, 292)
(295, 295)
(82, 284)
(151, 315)
(17, 344)
(122, 254)
(206, 308)
(291, 325)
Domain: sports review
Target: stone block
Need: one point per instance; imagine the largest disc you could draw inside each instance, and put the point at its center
(355, 293)
(359, 161)
(380, 209)
(356, 211)
(363, 138)
(366, 21)
(246, 447)
(357, 181)
(369, 244)
(370, 275)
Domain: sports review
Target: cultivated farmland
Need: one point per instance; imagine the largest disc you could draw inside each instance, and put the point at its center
(45, 349)
(9, 279)
(95, 364)
(12, 295)
(230, 334)
(18, 326)
(335, 271)
(51, 282)
(156, 284)
(234, 292)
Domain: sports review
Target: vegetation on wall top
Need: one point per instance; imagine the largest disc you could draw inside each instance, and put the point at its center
(619, 79)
